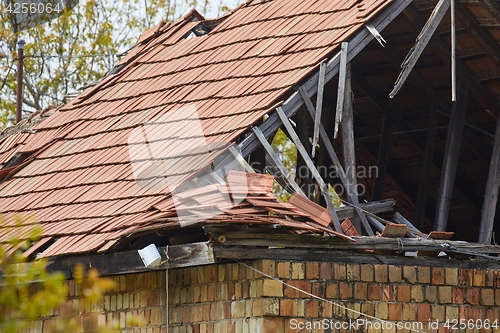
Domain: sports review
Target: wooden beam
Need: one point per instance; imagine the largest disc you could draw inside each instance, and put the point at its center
(125, 262)
(491, 195)
(341, 88)
(423, 38)
(348, 147)
(284, 172)
(356, 45)
(267, 238)
(452, 151)
(322, 186)
(383, 157)
(319, 105)
(297, 254)
(335, 160)
(423, 185)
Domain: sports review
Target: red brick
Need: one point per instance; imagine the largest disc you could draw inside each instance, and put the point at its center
(395, 273)
(387, 293)
(464, 312)
(360, 290)
(332, 290)
(368, 309)
(430, 293)
(325, 271)
(325, 309)
(476, 313)
(423, 274)
(380, 273)
(245, 289)
(438, 312)
(417, 293)
(472, 296)
(367, 272)
(497, 296)
(437, 275)
(487, 297)
(424, 312)
(465, 277)
(479, 278)
(286, 307)
(373, 292)
(318, 289)
(457, 295)
(312, 309)
(445, 295)
(300, 284)
(353, 272)
(312, 270)
(339, 272)
(345, 290)
(395, 311)
(403, 293)
(231, 327)
(410, 274)
(283, 270)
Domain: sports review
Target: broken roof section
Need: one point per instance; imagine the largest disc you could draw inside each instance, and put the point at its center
(79, 179)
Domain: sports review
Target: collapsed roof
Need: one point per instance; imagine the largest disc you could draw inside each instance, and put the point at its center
(107, 165)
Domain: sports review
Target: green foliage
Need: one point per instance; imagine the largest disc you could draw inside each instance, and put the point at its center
(77, 48)
(288, 154)
(28, 292)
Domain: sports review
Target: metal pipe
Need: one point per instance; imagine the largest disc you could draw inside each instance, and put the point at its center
(19, 95)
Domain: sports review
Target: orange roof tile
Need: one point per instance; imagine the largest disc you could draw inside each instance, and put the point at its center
(80, 184)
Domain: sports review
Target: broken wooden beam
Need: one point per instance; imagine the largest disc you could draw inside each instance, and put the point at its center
(341, 91)
(335, 160)
(275, 158)
(423, 38)
(322, 186)
(319, 105)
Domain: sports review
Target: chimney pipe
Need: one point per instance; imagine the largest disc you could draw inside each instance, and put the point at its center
(19, 99)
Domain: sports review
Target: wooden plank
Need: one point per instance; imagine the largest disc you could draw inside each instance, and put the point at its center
(452, 151)
(423, 38)
(348, 147)
(376, 207)
(335, 160)
(319, 106)
(349, 152)
(287, 176)
(423, 185)
(356, 45)
(383, 157)
(119, 263)
(491, 194)
(341, 87)
(311, 166)
(275, 239)
(297, 254)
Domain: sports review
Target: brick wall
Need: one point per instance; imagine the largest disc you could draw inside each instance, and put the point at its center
(232, 298)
